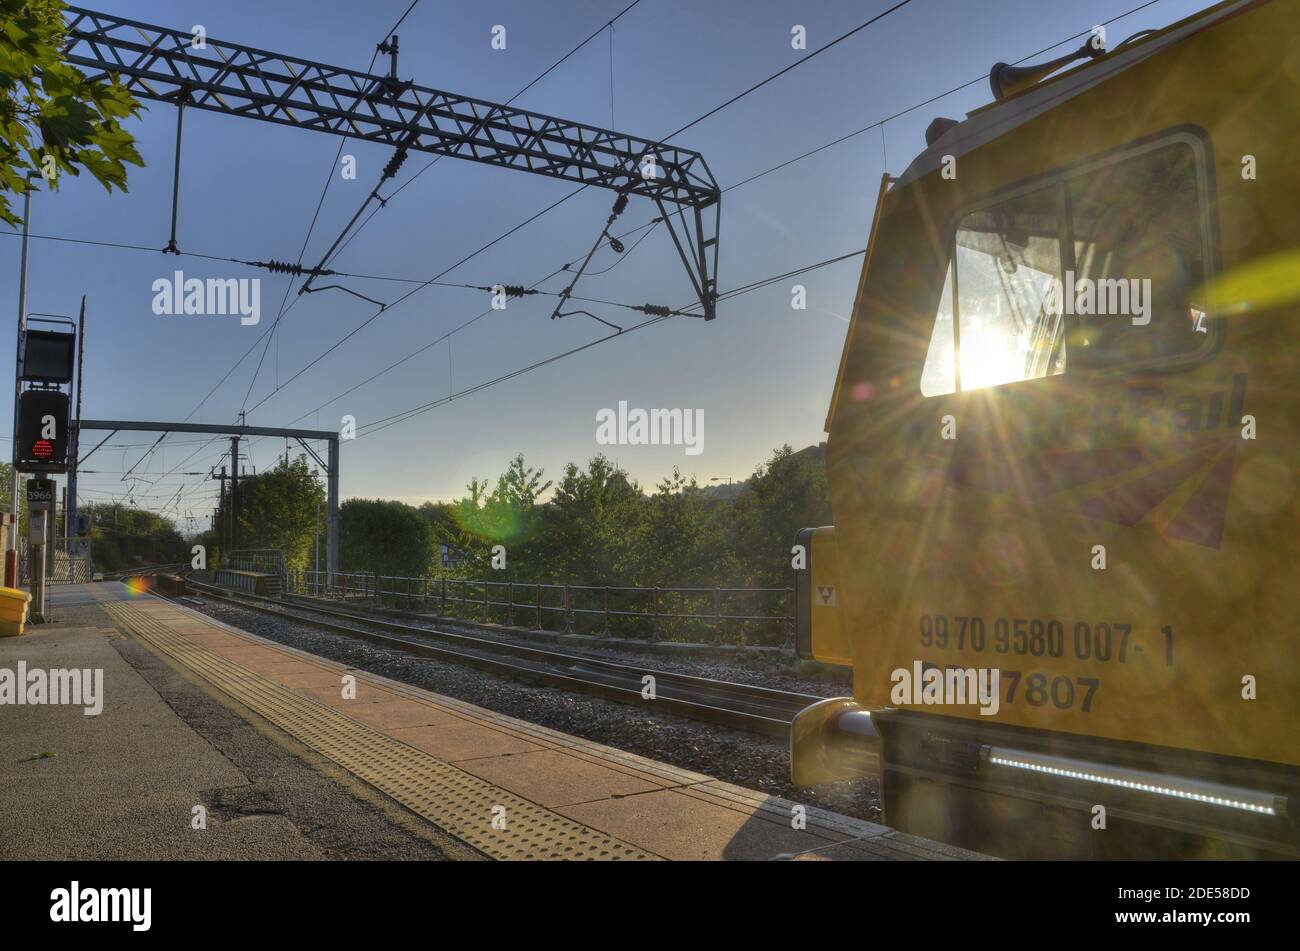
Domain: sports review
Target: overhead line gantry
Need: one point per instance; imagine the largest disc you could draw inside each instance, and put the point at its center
(329, 465)
(166, 65)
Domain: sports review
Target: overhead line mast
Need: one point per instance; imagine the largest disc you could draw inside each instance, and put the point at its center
(165, 65)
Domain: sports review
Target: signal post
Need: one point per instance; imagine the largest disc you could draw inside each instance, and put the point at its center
(45, 366)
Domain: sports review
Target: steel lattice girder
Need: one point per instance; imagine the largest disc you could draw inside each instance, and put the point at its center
(165, 65)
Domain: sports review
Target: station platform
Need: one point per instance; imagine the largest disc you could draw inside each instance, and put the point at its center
(293, 756)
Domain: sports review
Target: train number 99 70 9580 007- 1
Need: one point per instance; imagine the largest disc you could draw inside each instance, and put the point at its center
(1101, 641)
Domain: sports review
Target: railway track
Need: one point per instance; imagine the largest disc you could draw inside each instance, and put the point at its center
(740, 706)
(124, 573)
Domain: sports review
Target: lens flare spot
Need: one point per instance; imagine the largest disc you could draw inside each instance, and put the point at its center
(1258, 285)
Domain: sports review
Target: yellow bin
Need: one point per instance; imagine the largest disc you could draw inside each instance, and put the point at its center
(13, 611)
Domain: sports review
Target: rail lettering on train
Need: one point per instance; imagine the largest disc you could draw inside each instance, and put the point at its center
(1091, 640)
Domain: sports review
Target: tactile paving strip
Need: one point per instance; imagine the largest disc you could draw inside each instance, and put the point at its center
(448, 797)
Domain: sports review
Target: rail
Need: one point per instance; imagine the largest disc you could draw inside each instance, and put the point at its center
(743, 616)
(737, 705)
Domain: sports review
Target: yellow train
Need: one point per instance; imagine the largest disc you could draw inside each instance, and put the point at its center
(1063, 458)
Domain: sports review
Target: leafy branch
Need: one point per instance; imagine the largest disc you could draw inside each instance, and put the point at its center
(53, 119)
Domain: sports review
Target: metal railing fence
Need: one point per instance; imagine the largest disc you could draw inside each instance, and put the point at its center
(743, 616)
(269, 561)
(66, 562)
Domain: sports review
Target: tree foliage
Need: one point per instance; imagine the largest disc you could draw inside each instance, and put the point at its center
(599, 527)
(787, 493)
(278, 509)
(123, 536)
(53, 119)
(507, 515)
(6, 493)
(591, 525)
(384, 537)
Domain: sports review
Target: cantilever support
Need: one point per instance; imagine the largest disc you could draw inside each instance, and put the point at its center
(700, 256)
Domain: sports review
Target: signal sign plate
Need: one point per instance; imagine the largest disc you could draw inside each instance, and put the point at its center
(40, 495)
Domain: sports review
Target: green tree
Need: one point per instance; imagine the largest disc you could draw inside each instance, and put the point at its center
(278, 509)
(53, 119)
(787, 493)
(6, 491)
(445, 527)
(598, 527)
(386, 538)
(680, 541)
(122, 536)
(508, 515)
(591, 525)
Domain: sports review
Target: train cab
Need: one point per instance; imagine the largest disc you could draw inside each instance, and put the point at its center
(1063, 455)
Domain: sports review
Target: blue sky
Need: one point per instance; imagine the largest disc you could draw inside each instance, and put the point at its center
(762, 373)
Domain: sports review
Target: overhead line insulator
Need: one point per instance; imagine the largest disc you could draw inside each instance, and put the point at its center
(510, 290)
(394, 163)
(283, 267)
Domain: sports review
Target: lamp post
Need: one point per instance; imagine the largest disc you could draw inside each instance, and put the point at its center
(11, 551)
